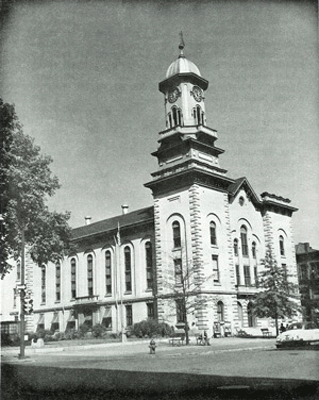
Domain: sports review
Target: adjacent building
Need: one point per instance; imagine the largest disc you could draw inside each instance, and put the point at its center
(308, 274)
(125, 267)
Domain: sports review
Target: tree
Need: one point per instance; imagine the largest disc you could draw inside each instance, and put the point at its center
(185, 293)
(274, 300)
(26, 222)
(26, 183)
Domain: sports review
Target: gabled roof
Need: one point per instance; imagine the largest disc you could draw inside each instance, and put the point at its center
(242, 183)
(111, 224)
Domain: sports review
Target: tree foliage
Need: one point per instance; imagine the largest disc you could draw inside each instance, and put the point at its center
(274, 300)
(26, 183)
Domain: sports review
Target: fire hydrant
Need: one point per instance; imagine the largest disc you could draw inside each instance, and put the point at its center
(152, 346)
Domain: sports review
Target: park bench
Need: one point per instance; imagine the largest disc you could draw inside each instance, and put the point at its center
(266, 332)
(177, 338)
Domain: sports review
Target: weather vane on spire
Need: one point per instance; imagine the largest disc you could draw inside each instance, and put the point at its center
(182, 44)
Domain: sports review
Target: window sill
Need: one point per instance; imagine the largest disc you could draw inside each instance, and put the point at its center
(128, 292)
(217, 283)
(57, 302)
(148, 290)
(108, 295)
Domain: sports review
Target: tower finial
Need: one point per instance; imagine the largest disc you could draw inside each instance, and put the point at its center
(182, 44)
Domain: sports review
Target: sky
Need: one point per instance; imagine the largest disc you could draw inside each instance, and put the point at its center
(84, 75)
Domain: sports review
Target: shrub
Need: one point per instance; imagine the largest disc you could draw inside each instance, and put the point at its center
(98, 330)
(151, 327)
(70, 334)
(83, 330)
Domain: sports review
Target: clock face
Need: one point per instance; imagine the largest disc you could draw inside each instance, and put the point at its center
(197, 93)
(173, 95)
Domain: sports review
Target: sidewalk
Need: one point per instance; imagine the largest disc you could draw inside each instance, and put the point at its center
(141, 345)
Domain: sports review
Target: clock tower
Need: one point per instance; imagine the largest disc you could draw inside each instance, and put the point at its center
(188, 187)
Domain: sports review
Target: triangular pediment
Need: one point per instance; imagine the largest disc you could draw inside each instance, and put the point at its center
(243, 184)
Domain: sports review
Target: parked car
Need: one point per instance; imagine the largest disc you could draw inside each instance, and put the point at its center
(299, 334)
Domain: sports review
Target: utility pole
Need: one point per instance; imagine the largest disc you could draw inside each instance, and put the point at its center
(22, 296)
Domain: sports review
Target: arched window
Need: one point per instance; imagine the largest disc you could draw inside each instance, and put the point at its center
(89, 261)
(149, 265)
(244, 241)
(57, 281)
(213, 236)
(253, 249)
(220, 311)
(198, 115)
(43, 284)
(240, 311)
(176, 234)
(170, 123)
(128, 269)
(108, 272)
(73, 278)
(281, 245)
(236, 247)
(250, 314)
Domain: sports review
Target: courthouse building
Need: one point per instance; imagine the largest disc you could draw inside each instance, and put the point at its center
(200, 219)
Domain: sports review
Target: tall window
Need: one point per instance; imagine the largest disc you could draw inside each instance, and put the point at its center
(89, 261)
(129, 315)
(281, 245)
(14, 297)
(215, 268)
(57, 281)
(236, 247)
(43, 284)
(253, 249)
(256, 275)
(150, 310)
(237, 275)
(177, 116)
(176, 234)
(240, 311)
(244, 241)
(180, 315)
(108, 272)
(247, 275)
(220, 311)
(178, 271)
(149, 265)
(18, 270)
(128, 269)
(212, 231)
(73, 278)
(250, 314)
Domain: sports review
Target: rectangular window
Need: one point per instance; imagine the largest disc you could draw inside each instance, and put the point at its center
(108, 273)
(256, 276)
(180, 315)
(14, 298)
(90, 274)
(215, 268)
(18, 270)
(150, 310)
(149, 265)
(178, 271)
(247, 275)
(57, 282)
(237, 275)
(129, 315)
(73, 278)
(128, 269)
(43, 287)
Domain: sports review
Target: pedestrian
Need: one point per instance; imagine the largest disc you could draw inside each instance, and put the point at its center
(282, 328)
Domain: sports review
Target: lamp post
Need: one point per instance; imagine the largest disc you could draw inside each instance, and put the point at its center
(22, 296)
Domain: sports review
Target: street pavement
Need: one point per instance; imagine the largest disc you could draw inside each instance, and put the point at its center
(239, 364)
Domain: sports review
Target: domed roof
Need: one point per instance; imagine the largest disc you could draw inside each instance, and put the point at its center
(182, 65)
